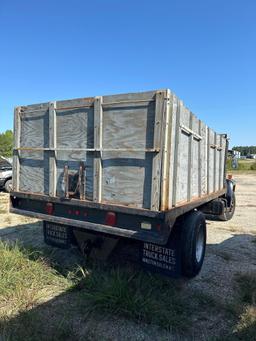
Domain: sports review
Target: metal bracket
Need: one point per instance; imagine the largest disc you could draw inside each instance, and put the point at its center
(190, 132)
(80, 186)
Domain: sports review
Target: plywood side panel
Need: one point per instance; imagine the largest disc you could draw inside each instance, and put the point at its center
(127, 178)
(210, 171)
(75, 128)
(196, 167)
(34, 172)
(183, 157)
(34, 128)
(127, 175)
(129, 127)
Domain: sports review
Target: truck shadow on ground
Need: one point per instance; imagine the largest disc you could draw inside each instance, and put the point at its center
(74, 313)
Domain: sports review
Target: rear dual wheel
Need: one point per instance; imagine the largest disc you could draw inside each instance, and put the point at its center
(193, 243)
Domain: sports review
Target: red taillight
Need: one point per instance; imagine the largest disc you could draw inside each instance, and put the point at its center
(110, 218)
(49, 208)
(158, 227)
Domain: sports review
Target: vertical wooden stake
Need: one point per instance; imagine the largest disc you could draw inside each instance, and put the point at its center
(97, 179)
(16, 153)
(52, 153)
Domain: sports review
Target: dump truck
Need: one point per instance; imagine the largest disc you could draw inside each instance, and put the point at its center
(128, 174)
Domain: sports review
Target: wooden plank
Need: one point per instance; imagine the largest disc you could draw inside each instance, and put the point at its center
(190, 159)
(137, 96)
(16, 153)
(173, 110)
(97, 178)
(214, 162)
(220, 164)
(156, 163)
(200, 165)
(176, 153)
(208, 159)
(52, 153)
(166, 132)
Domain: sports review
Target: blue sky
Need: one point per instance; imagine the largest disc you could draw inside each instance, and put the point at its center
(205, 51)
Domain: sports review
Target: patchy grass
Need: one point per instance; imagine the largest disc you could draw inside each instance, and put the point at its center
(243, 165)
(139, 296)
(25, 279)
(40, 299)
(243, 309)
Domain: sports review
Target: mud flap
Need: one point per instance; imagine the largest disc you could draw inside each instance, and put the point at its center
(165, 259)
(57, 235)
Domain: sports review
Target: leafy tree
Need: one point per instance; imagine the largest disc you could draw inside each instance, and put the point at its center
(6, 143)
(245, 150)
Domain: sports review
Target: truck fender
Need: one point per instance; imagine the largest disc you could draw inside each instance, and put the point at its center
(230, 186)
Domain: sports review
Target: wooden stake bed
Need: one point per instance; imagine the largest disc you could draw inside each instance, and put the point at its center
(140, 150)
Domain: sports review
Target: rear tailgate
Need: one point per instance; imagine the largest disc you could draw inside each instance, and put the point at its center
(111, 144)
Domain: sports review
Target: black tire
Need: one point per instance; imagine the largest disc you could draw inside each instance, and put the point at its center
(230, 210)
(193, 243)
(8, 186)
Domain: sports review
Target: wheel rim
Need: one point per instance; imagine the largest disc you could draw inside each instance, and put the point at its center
(200, 244)
(231, 207)
(9, 187)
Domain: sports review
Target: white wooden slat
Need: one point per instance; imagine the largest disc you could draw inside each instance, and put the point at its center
(97, 178)
(52, 153)
(16, 154)
(156, 164)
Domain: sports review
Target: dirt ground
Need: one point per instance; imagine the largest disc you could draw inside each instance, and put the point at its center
(231, 249)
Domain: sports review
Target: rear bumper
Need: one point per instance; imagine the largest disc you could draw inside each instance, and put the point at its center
(92, 216)
(148, 236)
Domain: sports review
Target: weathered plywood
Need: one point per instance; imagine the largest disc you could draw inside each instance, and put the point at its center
(183, 157)
(34, 172)
(75, 128)
(127, 174)
(130, 126)
(34, 128)
(127, 178)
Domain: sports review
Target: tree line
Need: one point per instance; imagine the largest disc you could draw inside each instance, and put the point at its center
(245, 150)
(6, 143)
